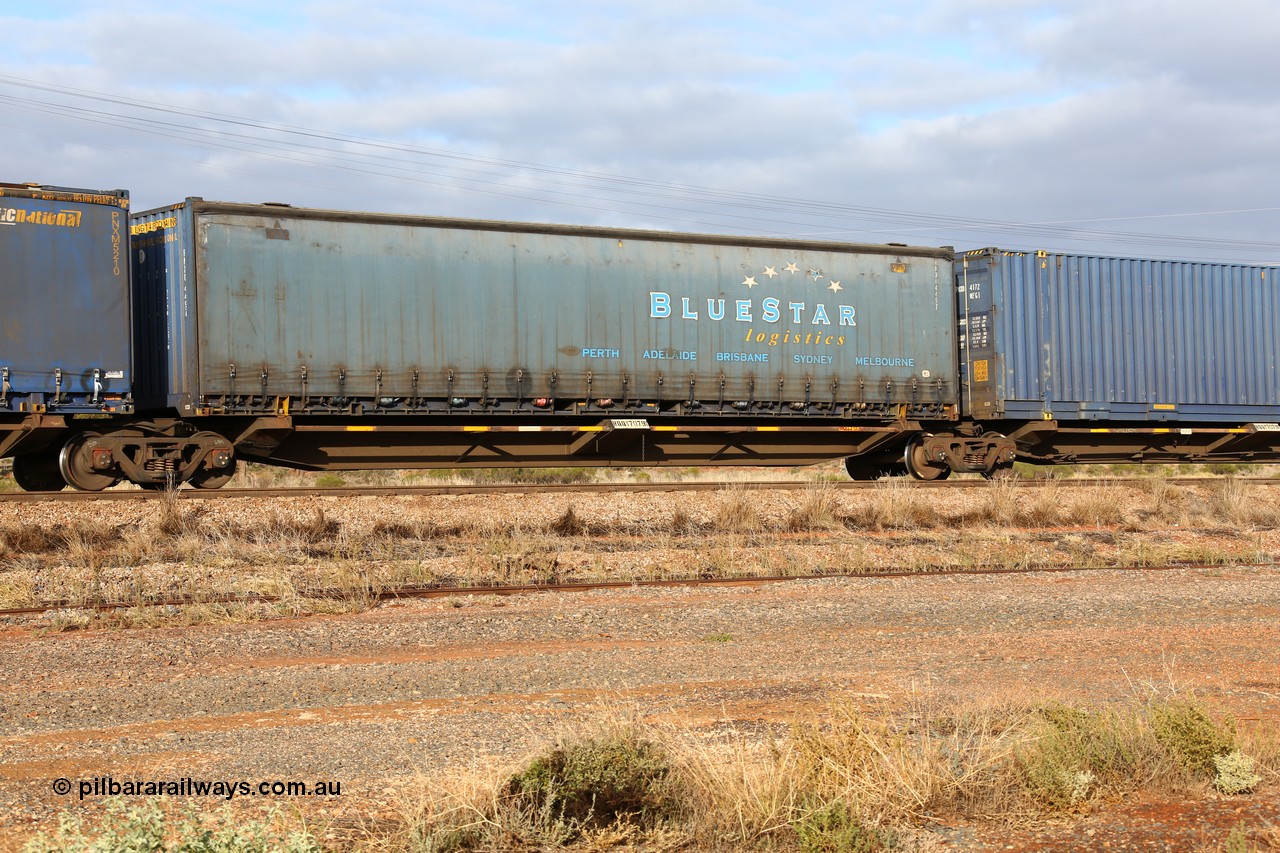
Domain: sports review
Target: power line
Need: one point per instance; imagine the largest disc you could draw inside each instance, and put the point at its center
(597, 191)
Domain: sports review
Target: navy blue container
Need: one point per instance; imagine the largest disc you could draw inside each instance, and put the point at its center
(64, 300)
(246, 306)
(1073, 337)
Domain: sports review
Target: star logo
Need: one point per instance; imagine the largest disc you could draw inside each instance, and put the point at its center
(791, 267)
(770, 271)
(815, 274)
(834, 287)
(750, 281)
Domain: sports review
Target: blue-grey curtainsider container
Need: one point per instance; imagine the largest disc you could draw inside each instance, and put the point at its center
(247, 306)
(64, 300)
(1073, 337)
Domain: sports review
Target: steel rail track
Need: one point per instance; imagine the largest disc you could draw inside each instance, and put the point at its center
(445, 591)
(573, 488)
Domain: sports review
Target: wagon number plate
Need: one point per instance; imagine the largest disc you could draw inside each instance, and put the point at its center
(629, 423)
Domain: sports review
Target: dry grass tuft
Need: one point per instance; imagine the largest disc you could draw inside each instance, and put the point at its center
(568, 524)
(1101, 506)
(613, 783)
(736, 512)
(202, 550)
(1234, 502)
(819, 509)
(892, 505)
(681, 522)
(849, 779)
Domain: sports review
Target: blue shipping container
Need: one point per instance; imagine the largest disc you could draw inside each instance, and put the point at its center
(64, 300)
(275, 302)
(1072, 337)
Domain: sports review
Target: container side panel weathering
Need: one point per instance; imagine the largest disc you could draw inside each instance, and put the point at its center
(1071, 337)
(165, 315)
(64, 300)
(321, 306)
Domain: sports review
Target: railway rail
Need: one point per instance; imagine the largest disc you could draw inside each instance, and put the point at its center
(133, 494)
(373, 595)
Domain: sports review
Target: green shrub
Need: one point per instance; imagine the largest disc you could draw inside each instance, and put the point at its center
(1235, 773)
(834, 828)
(1191, 736)
(1072, 751)
(1075, 752)
(619, 777)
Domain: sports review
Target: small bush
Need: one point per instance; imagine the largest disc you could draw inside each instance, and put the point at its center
(1077, 752)
(1235, 773)
(834, 828)
(1191, 736)
(619, 777)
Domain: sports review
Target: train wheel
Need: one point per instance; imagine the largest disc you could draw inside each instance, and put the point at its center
(77, 467)
(860, 469)
(38, 472)
(920, 466)
(214, 478)
(1002, 471)
(864, 471)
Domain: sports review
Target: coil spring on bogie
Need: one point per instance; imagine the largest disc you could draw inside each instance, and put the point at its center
(160, 466)
(975, 459)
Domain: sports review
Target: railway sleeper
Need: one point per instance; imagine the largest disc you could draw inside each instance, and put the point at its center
(92, 462)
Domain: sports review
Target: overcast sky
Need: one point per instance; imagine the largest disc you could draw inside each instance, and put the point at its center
(1105, 126)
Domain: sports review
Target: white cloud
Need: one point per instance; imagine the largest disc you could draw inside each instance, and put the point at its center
(1002, 109)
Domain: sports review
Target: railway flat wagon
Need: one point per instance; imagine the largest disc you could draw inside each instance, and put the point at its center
(65, 315)
(1086, 358)
(323, 339)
